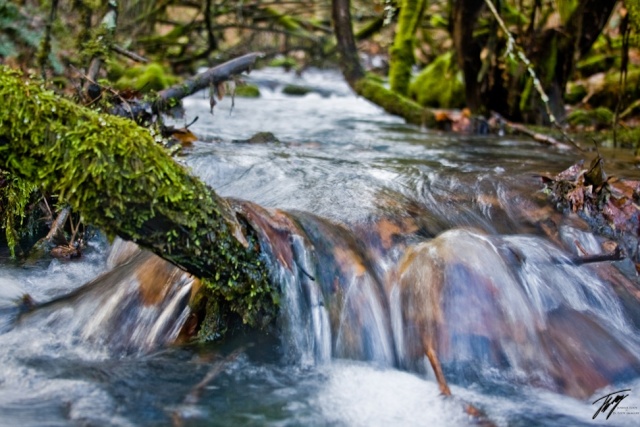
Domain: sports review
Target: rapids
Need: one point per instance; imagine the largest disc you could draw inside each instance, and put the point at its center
(387, 241)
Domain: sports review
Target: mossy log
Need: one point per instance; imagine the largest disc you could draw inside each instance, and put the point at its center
(394, 103)
(115, 174)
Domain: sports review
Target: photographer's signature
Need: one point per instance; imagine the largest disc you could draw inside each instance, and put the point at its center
(609, 400)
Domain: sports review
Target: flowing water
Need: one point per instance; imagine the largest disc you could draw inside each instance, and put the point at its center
(387, 242)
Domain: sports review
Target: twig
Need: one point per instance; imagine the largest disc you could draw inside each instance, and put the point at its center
(536, 136)
(131, 55)
(74, 230)
(58, 224)
(129, 110)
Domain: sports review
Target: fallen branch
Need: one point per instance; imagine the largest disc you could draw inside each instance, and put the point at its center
(169, 97)
(212, 76)
(536, 136)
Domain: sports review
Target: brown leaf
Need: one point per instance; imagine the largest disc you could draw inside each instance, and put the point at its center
(220, 90)
(624, 188)
(571, 173)
(596, 175)
(184, 135)
(576, 198)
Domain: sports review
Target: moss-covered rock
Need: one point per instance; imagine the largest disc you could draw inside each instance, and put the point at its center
(440, 84)
(296, 90)
(247, 91)
(147, 77)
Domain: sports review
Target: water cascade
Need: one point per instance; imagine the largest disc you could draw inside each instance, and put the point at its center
(138, 305)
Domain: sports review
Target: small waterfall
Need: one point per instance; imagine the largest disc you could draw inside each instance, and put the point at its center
(333, 302)
(138, 305)
(513, 304)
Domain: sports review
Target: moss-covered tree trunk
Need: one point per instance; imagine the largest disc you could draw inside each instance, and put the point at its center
(121, 180)
(402, 57)
(391, 101)
(557, 51)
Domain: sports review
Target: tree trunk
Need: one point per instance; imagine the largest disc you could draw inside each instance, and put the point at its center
(464, 17)
(390, 101)
(119, 179)
(402, 58)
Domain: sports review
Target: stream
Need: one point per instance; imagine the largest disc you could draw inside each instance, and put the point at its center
(386, 239)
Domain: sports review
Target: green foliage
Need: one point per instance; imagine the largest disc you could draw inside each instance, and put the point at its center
(633, 8)
(147, 77)
(15, 195)
(440, 84)
(115, 174)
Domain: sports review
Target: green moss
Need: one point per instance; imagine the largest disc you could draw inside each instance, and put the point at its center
(15, 195)
(115, 174)
(115, 70)
(247, 91)
(296, 90)
(98, 45)
(395, 104)
(440, 84)
(147, 77)
(598, 117)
